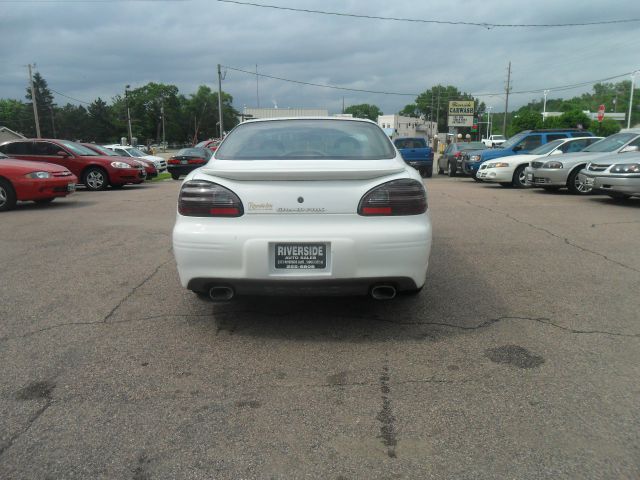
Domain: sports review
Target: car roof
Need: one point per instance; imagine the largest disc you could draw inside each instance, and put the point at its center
(333, 119)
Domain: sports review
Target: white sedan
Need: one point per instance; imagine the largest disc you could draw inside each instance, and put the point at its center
(310, 206)
(128, 151)
(510, 171)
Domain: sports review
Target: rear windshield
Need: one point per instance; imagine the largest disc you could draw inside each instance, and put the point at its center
(306, 139)
(541, 150)
(194, 152)
(410, 143)
(611, 143)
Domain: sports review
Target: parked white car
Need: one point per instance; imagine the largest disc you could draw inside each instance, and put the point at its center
(494, 140)
(510, 171)
(563, 172)
(129, 151)
(614, 175)
(306, 206)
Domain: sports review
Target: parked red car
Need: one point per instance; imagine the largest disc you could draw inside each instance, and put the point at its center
(32, 181)
(94, 170)
(149, 167)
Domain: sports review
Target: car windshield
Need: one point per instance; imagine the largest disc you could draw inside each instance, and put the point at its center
(194, 152)
(79, 149)
(472, 146)
(512, 141)
(547, 147)
(103, 151)
(2, 155)
(136, 153)
(611, 143)
(306, 139)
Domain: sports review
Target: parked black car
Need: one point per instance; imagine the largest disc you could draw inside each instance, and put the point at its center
(450, 162)
(186, 160)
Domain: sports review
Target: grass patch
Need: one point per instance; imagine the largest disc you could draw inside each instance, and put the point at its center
(162, 176)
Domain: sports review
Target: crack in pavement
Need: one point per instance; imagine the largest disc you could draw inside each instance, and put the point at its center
(594, 225)
(135, 289)
(30, 422)
(548, 232)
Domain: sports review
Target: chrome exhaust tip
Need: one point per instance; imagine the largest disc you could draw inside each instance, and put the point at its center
(221, 294)
(383, 292)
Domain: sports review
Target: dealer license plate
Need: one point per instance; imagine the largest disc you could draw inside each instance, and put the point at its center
(588, 181)
(184, 162)
(71, 187)
(300, 256)
(530, 177)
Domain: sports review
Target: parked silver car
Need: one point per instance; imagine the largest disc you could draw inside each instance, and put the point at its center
(618, 177)
(556, 173)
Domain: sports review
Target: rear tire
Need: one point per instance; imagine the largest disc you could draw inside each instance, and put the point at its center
(175, 176)
(519, 177)
(95, 179)
(428, 172)
(8, 198)
(575, 186)
(440, 169)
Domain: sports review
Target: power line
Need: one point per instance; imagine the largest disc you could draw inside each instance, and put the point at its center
(336, 87)
(69, 97)
(438, 22)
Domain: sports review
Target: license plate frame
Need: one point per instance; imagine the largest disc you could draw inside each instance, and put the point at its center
(71, 187)
(300, 256)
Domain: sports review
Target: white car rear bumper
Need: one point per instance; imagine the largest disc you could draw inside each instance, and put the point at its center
(361, 251)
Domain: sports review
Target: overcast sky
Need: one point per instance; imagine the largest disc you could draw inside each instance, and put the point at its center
(89, 49)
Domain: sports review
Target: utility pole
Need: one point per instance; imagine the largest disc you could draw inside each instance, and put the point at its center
(257, 92)
(220, 100)
(506, 102)
(343, 104)
(35, 106)
(633, 81)
(544, 107)
(126, 98)
(164, 142)
(438, 110)
(489, 122)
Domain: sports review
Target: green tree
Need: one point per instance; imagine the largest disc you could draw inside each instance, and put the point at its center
(605, 128)
(364, 110)
(575, 119)
(71, 123)
(202, 114)
(46, 107)
(525, 120)
(100, 127)
(17, 116)
(410, 110)
(434, 103)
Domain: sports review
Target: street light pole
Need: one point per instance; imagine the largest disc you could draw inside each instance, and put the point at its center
(633, 81)
(220, 101)
(34, 102)
(489, 122)
(164, 141)
(126, 97)
(544, 108)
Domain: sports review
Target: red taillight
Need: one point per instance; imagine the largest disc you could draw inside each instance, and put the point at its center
(398, 197)
(196, 161)
(199, 198)
(173, 161)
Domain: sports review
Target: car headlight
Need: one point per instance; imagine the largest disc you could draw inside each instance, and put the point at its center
(38, 175)
(626, 168)
(120, 165)
(552, 164)
(475, 158)
(501, 165)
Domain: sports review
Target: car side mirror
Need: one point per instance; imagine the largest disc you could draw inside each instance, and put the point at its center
(557, 151)
(629, 148)
(517, 148)
(62, 153)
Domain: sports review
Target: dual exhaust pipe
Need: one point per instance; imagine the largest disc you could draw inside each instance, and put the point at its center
(224, 294)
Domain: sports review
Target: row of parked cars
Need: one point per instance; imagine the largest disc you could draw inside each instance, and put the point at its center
(553, 159)
(42, 170)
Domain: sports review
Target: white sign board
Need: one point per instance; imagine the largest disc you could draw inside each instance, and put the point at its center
(461, 120)
(461, 113)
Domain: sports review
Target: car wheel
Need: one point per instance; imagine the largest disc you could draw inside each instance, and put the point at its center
(475, 177)
(440, 169)
(451, 169)
(95, 179)
(428, 172)
(575, 186)
(44, 201)
(619, 197)
(175, 176)
(519, 177)
(7, 196)
(551, 189)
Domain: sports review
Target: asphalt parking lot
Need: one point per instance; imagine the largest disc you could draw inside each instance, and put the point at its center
(520, 359)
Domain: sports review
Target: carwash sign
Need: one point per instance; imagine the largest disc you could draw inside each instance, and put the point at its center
(461, 113)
